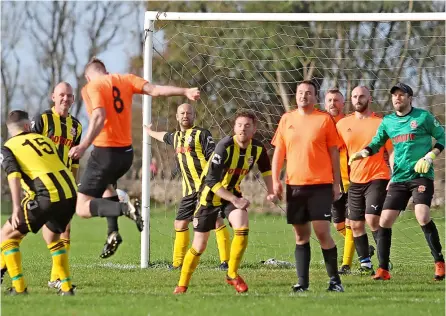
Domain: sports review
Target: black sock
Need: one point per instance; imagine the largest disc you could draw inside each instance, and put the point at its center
(112, 222)
(302, 254)
(384, 244)
(433, 240)
(375, 237)
(106, 208)
(331, 263)
(362, 248)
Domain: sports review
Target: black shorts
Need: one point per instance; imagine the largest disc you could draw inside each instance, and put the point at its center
(206, 216)
(306, 203)
(339, 209)
(104, 167)
(399, 193)
(187, 207)
(366, 198)
(40, 211)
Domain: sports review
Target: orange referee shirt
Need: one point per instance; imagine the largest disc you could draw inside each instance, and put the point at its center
(113, 93)
(356, 134)
(306, 139)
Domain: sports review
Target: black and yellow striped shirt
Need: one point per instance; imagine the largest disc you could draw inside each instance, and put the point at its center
(193, 147)
(227, 167)
(34, 159)
(65, 132)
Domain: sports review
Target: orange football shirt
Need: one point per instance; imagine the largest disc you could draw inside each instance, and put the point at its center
(343, 159)
(306, 139)
(356, 134)
(114, 93)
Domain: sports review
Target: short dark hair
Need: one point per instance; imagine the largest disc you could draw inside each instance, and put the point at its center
(334, 90)
(311, 83)
(17, 116)
(246, 113)
(96, 64)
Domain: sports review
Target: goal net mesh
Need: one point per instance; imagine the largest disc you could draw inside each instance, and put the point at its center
(256, 65)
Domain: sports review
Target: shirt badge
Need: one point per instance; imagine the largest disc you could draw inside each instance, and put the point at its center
(413, 124)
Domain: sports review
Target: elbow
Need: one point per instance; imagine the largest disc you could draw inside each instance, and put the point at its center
(151, 90)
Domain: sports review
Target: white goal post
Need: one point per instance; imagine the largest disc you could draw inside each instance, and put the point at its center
(151, 17)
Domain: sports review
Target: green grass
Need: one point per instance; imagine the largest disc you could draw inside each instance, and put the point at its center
(117, 286)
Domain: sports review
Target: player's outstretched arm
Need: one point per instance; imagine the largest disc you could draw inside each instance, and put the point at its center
(157, 135)
(167, 91)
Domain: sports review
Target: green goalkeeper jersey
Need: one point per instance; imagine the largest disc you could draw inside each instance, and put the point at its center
(411, 137)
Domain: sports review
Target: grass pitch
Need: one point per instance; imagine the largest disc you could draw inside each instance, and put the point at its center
(117, 286)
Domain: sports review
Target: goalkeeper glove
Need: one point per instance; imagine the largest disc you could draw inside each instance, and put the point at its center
(359, 155)
(423, 165)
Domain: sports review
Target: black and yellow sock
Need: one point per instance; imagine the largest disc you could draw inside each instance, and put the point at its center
(13, 260)
(54, 269)
(238, 247)
(66, 243)
(223, 243)
(60, 263)
(180, 246)
(349, 247)
(340, 227)
(190, 263)
(433, 240)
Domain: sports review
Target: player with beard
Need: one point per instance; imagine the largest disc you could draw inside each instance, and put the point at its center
(410, 130)
(308, 139)
(233, 158)
(193, 147)
(369, 177)
(334, 105)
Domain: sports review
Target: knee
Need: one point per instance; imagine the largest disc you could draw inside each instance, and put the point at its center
(357, 227)
(181, 224)
(323, 236)
(373, 223)
(219, 223)
(200, 246)
(339, 226)
(82, 211)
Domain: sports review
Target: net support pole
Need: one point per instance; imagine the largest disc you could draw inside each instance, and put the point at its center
(146, 146)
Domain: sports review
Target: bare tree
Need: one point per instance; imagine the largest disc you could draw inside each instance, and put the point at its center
(13, 19)
(65, 35)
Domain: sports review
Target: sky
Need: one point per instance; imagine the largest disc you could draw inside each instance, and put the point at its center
(116, 58)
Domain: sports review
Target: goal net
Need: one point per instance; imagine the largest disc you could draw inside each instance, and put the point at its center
(255, 65)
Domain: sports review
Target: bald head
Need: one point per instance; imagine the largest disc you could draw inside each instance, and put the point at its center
(361, 98)
(185, 116)
(63, 98)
